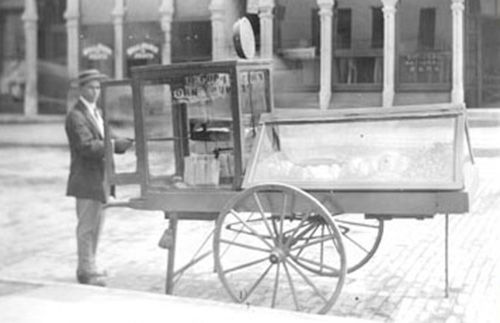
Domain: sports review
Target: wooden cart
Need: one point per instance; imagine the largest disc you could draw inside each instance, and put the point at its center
(299, 197)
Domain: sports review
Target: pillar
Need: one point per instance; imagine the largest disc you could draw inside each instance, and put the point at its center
(217, 9)
(166, 16)
(118, 15)
(30, 18)
(389, 9)
(325, 14)
(72, 16)
(457, 91)
(266, 28)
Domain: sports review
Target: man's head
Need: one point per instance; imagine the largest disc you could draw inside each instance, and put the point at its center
(90, 84)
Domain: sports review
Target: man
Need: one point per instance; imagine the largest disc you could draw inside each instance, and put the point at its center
(85, 132)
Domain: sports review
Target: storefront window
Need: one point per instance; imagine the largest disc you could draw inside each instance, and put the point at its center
(296, 39)
(97, 48)
(487, 62)
(191, 41)
(424, 46)
(12, 65)
(191, 31)
(52, 57)
(358, 31)
(344, 30)
(142, 44)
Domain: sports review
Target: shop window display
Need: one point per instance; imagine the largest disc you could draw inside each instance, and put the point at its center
(358, 44)
(424, 50)
(297, 46)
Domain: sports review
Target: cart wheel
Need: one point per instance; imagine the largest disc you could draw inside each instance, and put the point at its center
(361, 238)
(276, 245)
(361, 235)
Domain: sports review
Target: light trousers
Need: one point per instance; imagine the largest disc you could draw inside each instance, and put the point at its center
(90, 221)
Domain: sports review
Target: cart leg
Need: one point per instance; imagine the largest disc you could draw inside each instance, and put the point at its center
(172, 227)
(446, 238)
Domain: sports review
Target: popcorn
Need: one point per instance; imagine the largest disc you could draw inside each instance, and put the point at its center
(392, 162)
(361, 167)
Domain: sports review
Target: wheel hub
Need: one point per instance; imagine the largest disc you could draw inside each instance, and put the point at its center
(277, 256)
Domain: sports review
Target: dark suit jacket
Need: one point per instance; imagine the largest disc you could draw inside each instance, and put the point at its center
(86, 177)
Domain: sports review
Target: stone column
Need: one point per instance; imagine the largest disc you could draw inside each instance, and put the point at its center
(325, 90)
(217, 8)
(266, 28)
(457, 91)
(166, 14)
(389, 10)
(30, 18)
(72, 16)
(118, 15)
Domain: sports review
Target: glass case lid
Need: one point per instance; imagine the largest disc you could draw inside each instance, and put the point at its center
(403, 148)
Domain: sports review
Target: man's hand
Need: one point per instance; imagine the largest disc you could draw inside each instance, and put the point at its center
(122, 145)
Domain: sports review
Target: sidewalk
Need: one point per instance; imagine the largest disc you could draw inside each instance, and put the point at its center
(49, 302)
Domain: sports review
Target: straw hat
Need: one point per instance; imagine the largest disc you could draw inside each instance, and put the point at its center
(90, 75)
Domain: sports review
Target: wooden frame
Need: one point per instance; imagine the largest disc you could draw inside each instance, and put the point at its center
(114, 177)
(170, 74)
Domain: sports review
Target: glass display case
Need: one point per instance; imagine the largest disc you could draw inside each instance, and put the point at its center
(400, 148)
(194, 124)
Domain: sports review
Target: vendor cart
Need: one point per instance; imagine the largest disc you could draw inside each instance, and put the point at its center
(298, 197)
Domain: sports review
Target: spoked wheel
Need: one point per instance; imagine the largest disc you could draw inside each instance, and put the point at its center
(361, 238)
(276, 245)
(361, 235)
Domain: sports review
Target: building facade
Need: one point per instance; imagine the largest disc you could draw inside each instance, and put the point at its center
(326, 53)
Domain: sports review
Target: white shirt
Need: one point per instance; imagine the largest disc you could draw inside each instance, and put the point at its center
(94, 112)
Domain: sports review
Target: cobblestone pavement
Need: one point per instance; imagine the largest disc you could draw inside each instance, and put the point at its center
(403, 282)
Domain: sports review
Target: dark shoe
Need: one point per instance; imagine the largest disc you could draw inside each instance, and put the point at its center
(90, 280)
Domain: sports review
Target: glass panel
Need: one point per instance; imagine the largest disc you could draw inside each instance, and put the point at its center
(143, 43)
(369, 154)
(297, 35)
(120, 120)
(253, 103)
(157, 106)
(355, 70)
(161, 158)
(52, 42)
(344, 30)
(490, 62)
(425, 42)
(97, 51)
(189, 130)
(358, 41)
(209, 155)
(377, 27)
(191, 41)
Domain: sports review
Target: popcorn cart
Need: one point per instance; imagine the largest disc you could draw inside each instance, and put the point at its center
(298, 196)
